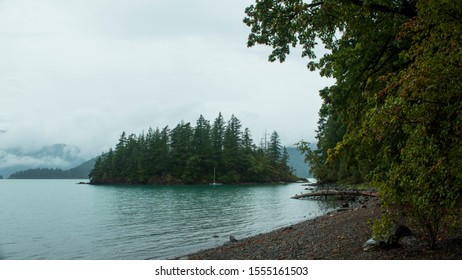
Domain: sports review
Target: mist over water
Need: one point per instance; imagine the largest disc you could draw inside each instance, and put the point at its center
(58, 219)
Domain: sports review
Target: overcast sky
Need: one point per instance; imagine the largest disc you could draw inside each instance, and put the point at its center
(80, 72)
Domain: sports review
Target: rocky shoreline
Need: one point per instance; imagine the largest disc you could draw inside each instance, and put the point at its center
(334, 236)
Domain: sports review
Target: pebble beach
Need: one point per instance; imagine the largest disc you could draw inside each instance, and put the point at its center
(335, 236)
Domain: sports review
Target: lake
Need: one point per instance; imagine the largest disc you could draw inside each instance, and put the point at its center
(60, 219)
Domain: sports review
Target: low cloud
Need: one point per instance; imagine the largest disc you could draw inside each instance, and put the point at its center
(81, 72)
(55, 156)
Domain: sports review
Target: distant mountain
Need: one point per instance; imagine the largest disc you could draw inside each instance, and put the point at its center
(60, 156)
(82, 171)
(297, 162)
(79, 172)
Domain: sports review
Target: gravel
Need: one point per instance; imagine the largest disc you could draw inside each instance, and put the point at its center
(334, 236)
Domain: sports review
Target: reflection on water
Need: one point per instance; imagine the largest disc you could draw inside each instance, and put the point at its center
(58, 219)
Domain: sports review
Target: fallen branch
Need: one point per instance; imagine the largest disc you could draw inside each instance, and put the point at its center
(335, 193)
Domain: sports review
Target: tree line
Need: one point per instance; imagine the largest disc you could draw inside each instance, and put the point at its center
(190, 154)
(79, 172)
(43, 173)
(393, 117)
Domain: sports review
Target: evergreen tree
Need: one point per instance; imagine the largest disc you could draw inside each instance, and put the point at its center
(160, 149)
(120, 158)
(149, 158)
(132, 155)
(200, 164)
(284, 161)
(248, 157)
(232, 149)
(247, 141)
(217, 138)
(274, 148)
(181, 148)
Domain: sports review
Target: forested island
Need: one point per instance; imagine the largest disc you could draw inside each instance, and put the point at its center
(190, 154)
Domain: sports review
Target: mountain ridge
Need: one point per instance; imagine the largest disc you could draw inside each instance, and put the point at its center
(79, 172)
(60, 156)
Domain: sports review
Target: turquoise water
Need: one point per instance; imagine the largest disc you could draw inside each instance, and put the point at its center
(59, 219)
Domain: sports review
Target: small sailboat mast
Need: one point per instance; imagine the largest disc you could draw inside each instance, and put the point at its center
(214, 182)
(214, 171)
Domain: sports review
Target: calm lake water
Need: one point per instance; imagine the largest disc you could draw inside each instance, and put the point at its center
(59, 219)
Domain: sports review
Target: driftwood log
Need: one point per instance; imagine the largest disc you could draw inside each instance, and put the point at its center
(326, 193)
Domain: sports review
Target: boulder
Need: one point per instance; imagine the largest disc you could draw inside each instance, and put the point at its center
(373, 244)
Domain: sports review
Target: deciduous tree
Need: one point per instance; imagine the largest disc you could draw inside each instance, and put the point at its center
(393, 115)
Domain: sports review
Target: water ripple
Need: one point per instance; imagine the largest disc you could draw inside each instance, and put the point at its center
(43, 219)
